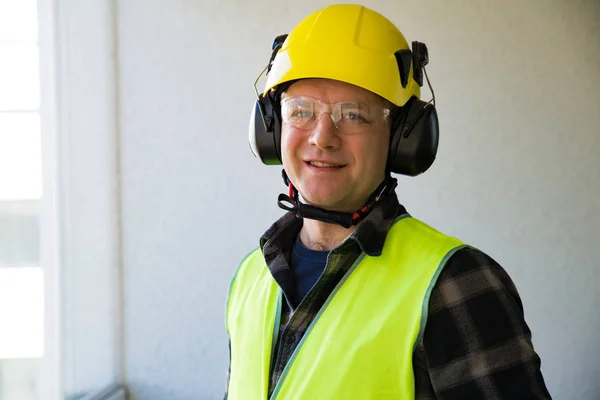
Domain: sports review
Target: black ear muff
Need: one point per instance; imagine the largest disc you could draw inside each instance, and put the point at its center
(415, 138)
(415, 133)
(265, 131)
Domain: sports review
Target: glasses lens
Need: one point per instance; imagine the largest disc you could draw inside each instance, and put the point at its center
(297, 111)
(348, 117)
(353, 113)
(351, 118)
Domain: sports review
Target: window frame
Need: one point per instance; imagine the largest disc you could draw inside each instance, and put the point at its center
(78, 47)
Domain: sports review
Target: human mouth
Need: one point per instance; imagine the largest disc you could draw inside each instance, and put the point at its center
(321, 164)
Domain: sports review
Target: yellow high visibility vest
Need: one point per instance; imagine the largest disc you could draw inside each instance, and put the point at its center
(361, 343)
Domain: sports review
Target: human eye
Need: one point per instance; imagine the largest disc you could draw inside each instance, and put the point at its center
(354, 113)
(301, 112)
(352, 116)
(295, 110)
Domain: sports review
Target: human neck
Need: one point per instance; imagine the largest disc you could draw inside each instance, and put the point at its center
(317, 235)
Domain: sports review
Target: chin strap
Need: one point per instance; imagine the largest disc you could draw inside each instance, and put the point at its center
(291, 202)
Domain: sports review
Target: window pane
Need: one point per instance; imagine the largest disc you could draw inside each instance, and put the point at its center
(18, 20)
(19, 234)
(19, 378)
(21, 312)
(19, 76)
(21, 278)
(21, 336)
(20, 156)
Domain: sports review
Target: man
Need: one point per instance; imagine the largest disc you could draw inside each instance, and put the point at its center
(348, 296)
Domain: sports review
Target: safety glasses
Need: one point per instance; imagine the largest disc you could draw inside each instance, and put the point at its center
(348, 117)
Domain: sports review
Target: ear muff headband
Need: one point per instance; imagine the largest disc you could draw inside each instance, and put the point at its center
(415, 129)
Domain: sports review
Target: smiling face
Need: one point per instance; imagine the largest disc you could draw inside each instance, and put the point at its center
(335, 169)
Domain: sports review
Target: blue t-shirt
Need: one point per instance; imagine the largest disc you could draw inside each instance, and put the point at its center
(307, 266)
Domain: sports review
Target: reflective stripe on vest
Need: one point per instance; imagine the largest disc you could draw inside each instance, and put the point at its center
(361, 343)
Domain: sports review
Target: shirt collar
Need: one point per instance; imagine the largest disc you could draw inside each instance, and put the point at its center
(370, 234)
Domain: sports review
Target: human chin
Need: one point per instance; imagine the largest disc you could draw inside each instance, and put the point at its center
(328, 196)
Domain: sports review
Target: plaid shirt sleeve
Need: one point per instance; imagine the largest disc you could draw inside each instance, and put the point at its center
(476, 343)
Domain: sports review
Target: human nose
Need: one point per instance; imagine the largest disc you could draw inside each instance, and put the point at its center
(324, 135)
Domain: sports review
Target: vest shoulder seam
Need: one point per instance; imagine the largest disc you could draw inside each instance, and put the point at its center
(432, 284)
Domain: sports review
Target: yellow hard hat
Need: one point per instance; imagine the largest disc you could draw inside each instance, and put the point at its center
(352, 44)
(356, 45)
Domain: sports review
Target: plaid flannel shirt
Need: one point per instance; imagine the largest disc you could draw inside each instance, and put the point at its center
(476, 343)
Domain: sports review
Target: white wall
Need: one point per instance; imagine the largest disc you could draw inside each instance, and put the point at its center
(517, 174)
